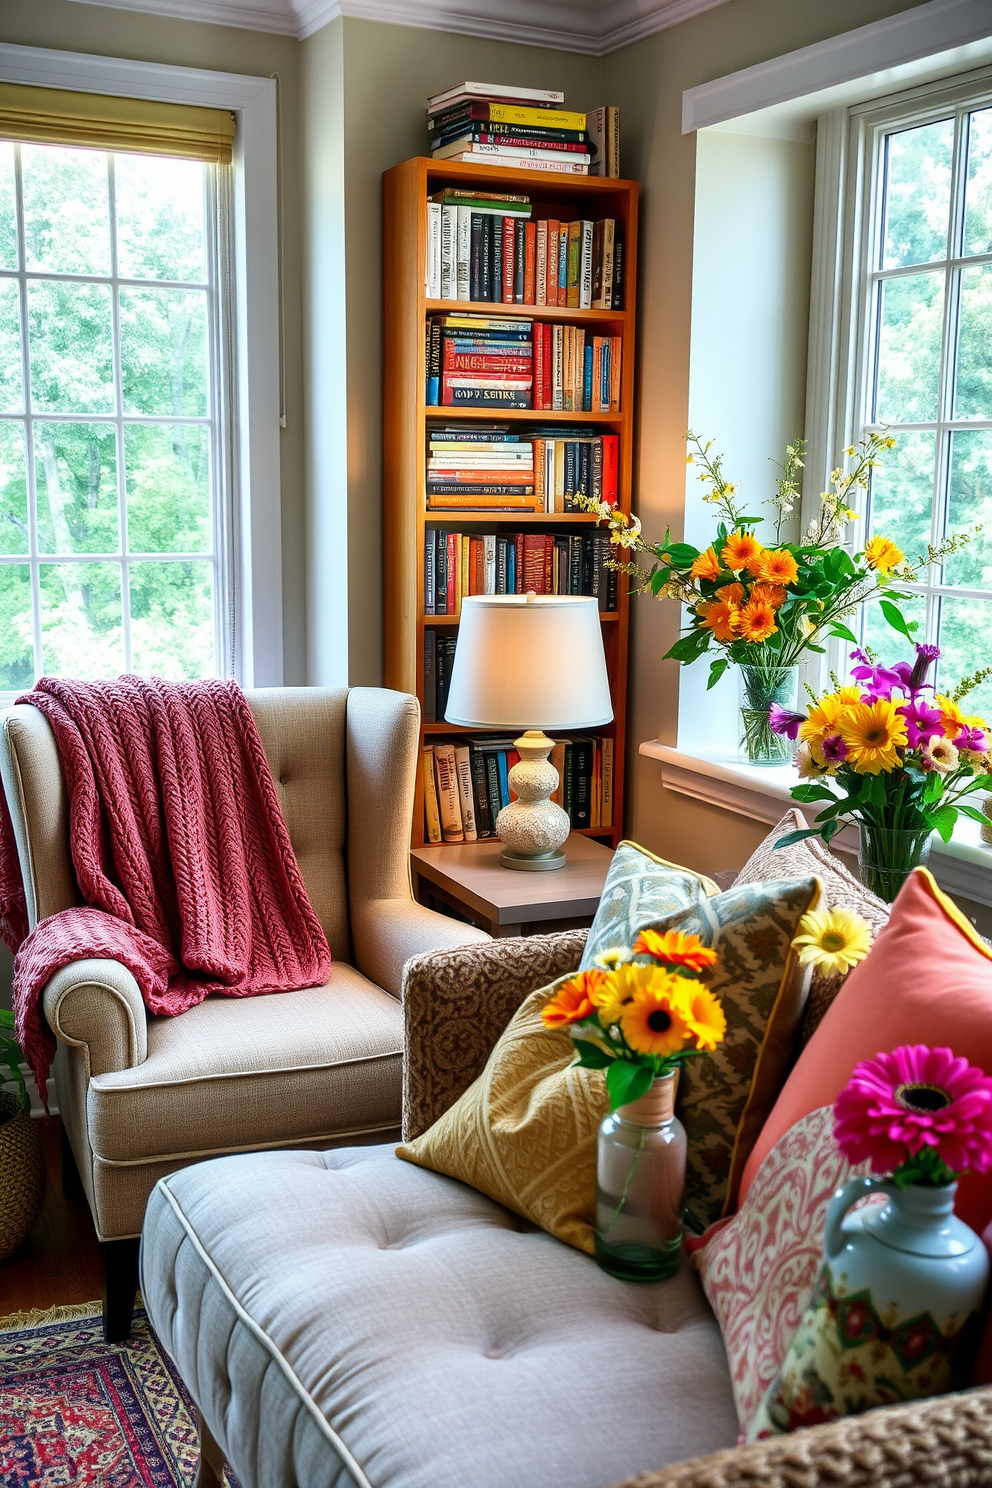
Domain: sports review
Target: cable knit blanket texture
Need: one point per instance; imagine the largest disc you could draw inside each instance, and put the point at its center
(180, 851)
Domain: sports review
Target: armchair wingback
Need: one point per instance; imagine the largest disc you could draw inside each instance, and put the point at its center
(140, 1096)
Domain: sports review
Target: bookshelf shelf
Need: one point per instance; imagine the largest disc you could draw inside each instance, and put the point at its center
(407, 421)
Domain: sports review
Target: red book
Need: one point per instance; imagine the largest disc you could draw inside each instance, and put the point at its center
(454, 555)
(512, 758)
(611, 460)
(476, 566)
(551, 281)
(509, 258)
(548, 402)
(473, 361)
(518, 587)
(530, 263)
(539, 367)
(549, 562)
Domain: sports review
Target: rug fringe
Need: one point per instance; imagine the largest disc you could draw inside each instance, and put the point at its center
(40, 1315)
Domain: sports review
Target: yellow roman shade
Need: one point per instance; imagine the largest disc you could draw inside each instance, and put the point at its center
(54, 116)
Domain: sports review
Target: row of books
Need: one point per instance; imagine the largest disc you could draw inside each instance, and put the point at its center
(466, 785)
(483, 246)
(481, 362)
(486, 468)
(460, 563)
(499, 124)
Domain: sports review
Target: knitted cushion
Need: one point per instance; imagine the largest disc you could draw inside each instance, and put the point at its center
(640, 890)
(840, 888)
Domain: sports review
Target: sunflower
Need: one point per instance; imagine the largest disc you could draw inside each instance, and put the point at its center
(873, 733)
(721, 618)
(676, 948)
(618, 990)
(731, 593)
(704, 1015)
(775, 567)
(573, 1002)
(706, 566)
(882, 553)
(770, 594)
(757, 621)
(832, 940)
(654, 1021)
(823, 718)
(740, 550)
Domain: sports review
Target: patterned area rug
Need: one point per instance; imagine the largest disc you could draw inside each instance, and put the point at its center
(77, 1411)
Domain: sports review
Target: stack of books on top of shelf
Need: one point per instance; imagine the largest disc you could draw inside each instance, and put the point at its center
(463, 563)
(480, 469)
(479, 362)
(484, 245)
(498, 124)
(466, 785)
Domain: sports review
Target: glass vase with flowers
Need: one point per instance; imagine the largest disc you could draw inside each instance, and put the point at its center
(639, 1015)
(888, 754)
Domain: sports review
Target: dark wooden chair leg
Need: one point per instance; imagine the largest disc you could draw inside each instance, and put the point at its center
(211, 1472)
(72, 1184)
(120, 1286)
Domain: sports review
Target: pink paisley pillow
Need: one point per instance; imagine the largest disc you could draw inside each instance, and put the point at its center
(758, 1268)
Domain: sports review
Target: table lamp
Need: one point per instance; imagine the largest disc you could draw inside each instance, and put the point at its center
(523, 659)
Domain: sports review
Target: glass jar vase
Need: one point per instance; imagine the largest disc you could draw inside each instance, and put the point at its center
(886, 858)
(640, 1177)
(757, 688)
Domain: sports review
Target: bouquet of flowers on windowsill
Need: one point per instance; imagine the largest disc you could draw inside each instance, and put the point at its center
(639, 1019)
(884, 754)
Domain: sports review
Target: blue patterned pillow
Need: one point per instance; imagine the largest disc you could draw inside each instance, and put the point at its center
(640, 891)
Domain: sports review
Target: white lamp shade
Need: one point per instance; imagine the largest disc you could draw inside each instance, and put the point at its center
(526, 661)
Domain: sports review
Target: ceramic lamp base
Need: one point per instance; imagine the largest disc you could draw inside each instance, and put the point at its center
(533, 827)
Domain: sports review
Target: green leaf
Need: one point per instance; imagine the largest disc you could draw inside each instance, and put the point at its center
(973, 811)
(791, 837)
(897, 620)
(812, 793)
(717, 669)
(683, 555)
(843, 634)
(658, 578)
(934, 789)
(944, 820)
(6, 1018)
(627, 1082)
(830, 830)
(590, 1055)
(689, 647)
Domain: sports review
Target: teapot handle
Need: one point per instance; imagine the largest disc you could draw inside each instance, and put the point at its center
(842, 1201)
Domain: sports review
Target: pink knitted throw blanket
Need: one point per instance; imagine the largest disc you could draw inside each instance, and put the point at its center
(180, 850)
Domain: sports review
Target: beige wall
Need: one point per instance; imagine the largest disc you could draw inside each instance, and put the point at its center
(108, 32)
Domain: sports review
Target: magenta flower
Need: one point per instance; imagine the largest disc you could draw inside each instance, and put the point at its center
(922, 722)
(783, 721)
(974, 739)
(833, 749)
(897, 1105)
(877, 681)
(925, 657)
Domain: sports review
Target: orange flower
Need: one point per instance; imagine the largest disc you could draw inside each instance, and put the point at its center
(676, 948)
(882, 553)
(706, 566)
(770, 594)
(778, 567)
(731, 593)
(757, 621)
(573, 1003)
(722, 619)
(740, 550)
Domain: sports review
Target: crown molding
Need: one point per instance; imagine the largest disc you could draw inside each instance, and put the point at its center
(583, 26)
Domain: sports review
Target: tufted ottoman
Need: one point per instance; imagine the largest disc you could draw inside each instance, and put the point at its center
(347, 1320)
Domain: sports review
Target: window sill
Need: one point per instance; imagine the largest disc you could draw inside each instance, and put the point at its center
(962, 866)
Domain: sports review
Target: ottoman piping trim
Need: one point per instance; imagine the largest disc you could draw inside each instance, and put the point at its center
(288, 1144)
(205, 1079)
(263, 1338)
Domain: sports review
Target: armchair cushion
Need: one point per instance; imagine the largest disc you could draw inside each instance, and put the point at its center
(322, 1062)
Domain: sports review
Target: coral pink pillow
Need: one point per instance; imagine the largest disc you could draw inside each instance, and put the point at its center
(759, 1268)
(927, 980)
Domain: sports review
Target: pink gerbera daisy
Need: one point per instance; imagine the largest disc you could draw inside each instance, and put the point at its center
(897, 1105)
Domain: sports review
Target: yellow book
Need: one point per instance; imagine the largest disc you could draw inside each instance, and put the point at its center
(432, 817)
(518, 113)
(559, 474)
(540, 475)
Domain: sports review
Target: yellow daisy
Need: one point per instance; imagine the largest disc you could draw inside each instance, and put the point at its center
(952, 719)
(822, 719)
(873, 733)
(832, 940)
(654, 1022)
(617, 990)
(882, 553)
(703, 1014)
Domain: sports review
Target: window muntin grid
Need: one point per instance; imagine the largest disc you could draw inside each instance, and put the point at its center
(141, 584)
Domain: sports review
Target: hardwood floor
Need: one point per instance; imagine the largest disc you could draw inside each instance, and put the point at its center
(60, 1261)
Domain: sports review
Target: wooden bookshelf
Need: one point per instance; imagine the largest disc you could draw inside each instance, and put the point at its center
(407, 419)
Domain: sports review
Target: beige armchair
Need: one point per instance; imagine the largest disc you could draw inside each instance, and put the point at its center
(141, 1096)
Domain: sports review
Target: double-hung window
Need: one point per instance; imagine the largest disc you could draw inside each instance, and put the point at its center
(115, 478)
(919, 307)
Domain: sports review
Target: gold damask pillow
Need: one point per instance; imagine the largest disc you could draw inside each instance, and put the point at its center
(524, 1132)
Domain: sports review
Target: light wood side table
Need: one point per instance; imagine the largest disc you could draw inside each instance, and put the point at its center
(505, 901)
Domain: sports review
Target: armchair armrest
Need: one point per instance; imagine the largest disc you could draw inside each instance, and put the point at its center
(96, 1005)
(387, 932)
(455, 1006)
(946, 1441)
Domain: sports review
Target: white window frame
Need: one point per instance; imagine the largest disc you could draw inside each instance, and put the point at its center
(842, 335)
(256, 546)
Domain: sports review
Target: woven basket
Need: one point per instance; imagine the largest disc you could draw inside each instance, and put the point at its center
(22, 1175)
